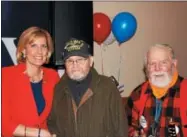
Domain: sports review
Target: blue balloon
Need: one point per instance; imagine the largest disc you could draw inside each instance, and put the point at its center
(124, 26)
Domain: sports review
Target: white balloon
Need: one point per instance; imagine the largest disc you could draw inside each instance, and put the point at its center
(110, 39)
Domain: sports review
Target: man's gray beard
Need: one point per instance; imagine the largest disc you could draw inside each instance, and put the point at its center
(169, 78)
(161, 84)
(78, 78)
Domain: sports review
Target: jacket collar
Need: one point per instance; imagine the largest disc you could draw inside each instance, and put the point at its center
(174, 88)
(95, 80)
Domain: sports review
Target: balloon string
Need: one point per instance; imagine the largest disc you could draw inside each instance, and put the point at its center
(102, 67)
(119, 64)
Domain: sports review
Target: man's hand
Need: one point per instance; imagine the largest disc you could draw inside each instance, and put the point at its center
(172, 130)
(136, 134)
(139, 133)
(142, 133)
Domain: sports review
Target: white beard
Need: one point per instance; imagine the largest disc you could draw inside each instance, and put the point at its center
(160, 79)
(78, 76)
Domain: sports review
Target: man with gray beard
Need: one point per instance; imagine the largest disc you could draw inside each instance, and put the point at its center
(85, 104)
(153, 108)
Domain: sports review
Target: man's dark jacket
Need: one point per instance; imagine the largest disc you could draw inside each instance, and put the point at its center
(100, 112)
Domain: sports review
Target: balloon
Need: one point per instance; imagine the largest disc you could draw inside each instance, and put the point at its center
(124, 26)
(102, 27)
(110, 39)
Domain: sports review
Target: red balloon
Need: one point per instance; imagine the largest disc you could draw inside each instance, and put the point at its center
(102, 27)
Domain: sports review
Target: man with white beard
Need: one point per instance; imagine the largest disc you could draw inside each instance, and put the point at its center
(151, 107)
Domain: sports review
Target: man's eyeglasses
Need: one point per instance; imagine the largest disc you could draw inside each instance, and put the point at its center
(80, 61)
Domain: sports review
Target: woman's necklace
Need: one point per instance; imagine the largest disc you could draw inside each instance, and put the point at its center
(36, 78)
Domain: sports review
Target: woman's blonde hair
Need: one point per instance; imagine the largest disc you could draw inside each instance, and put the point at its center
(28, 36)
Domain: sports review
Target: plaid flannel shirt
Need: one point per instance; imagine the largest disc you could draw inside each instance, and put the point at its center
(168, 110)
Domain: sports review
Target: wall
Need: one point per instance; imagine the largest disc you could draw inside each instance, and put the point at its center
(158, 22)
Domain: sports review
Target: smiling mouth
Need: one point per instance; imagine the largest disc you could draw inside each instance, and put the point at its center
(75, 70)
(160, 75)
(39, 58)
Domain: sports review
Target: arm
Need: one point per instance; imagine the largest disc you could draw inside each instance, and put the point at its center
(133, 114)
(51, 121)
(8, 125)
(56, 77)
(24, 131)
(118, 115)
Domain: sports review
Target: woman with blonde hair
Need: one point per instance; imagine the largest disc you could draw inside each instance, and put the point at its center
(27, 88)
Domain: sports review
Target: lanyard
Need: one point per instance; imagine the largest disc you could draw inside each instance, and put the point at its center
(158, 109)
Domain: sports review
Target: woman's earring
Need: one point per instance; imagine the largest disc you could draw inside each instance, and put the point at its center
(48, 57)
(23, 55)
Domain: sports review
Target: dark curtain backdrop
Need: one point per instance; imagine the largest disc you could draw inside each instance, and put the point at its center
(15, 18)
(62, 19)
(72, 19)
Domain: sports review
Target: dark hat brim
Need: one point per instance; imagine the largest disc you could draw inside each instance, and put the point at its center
(76, 54)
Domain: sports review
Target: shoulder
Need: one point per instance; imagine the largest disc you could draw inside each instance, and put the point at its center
(62, 83)
(139, 87)
(102, 81)
(185, 81)
(11, 74)
(106, 80)
(10, 70)
(136, 93)
(183, 85)
(107, 85)
(51, 75)
(50, 71)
